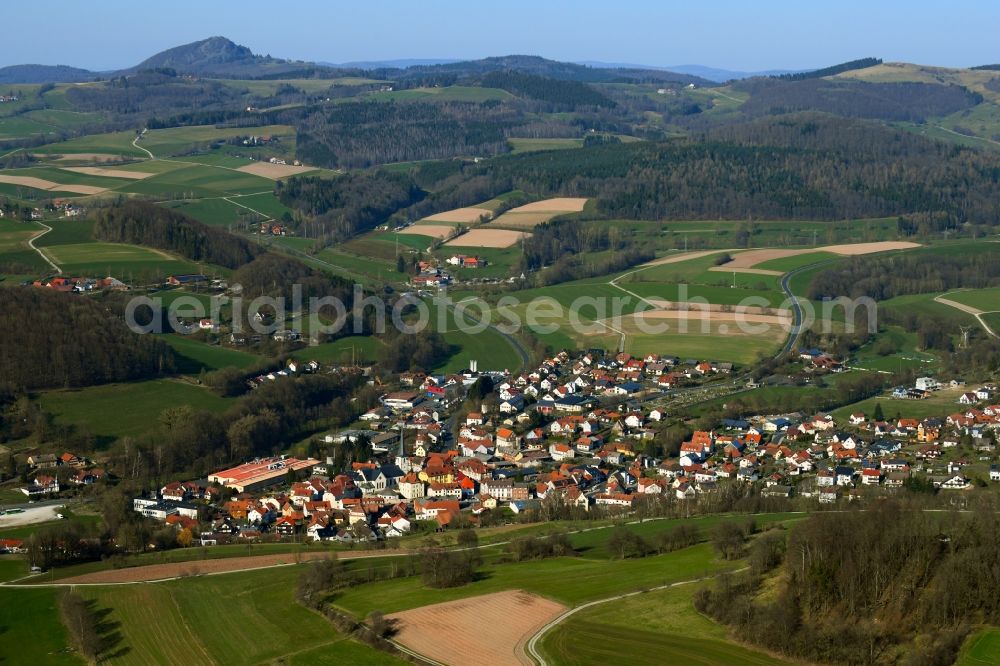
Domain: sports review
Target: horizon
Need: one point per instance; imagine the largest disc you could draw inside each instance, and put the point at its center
(727, 35)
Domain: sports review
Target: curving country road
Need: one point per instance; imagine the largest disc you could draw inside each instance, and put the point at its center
(31, 244)
(793, 334)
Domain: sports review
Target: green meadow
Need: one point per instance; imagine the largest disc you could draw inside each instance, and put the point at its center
(126, 410)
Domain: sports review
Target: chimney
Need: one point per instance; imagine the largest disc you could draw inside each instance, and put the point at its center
(473, 364)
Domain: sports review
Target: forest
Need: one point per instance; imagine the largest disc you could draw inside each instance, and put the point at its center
(143, 223)
(350, 204)
(920, 272)
(566, 94)
(360, 134)
(909, 101)
(56, 340)
(856, 587)
(806, 166)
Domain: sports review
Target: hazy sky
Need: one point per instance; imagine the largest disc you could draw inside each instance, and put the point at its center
(733, 34)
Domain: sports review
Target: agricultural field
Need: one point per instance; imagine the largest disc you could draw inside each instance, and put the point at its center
(537, 145)
(196, 356)
(567, 580)
(533, 214)
(488, 347)
(112, 411)
(513, 616)
(113, 144)
(242, 618)
(361, 349)
(672, 631)
(178, 140)
(486, 237)
(438, 94)
(986, 300)
(981, 648)
(118, 260)
(32, 629)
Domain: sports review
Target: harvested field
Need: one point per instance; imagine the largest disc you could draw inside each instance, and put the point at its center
(110, 173)
(42, 184)
(79, 157)
(432, 230)
(491, 628)
(696, 317)
(557, 205)
(523, 220)
(467, 215)
(852, 249)
(751, 258)
(744, 262)
(683, 256)
(710, 308)
(152, 572)
(482, 237)
(274, 171)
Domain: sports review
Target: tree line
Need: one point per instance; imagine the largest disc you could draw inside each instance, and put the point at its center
(350, 204)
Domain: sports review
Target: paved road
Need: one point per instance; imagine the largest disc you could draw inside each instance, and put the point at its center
(793, 335)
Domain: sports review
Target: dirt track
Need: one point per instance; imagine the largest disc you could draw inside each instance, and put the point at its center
(152, 572)
(489, 629)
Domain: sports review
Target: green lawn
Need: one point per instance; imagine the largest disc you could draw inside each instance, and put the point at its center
(198, 181)
(242, 618)
(174, 140)
(30, 629)
(785, 264)
(982, 647)
(488, 347)
(117, 259)
(941, 403)
(126, 410)
(987, 300)
(113, 143)
(569, 580)
(534, 145)
(660, 627)
(443, 94)
(196, 355)
(360, 348)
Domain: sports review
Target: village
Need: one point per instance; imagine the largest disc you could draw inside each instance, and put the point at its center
(567, 438)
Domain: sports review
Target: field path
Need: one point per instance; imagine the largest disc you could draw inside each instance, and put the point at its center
(31, 244)
(135, 144)
(975, 312)
(532, 645)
